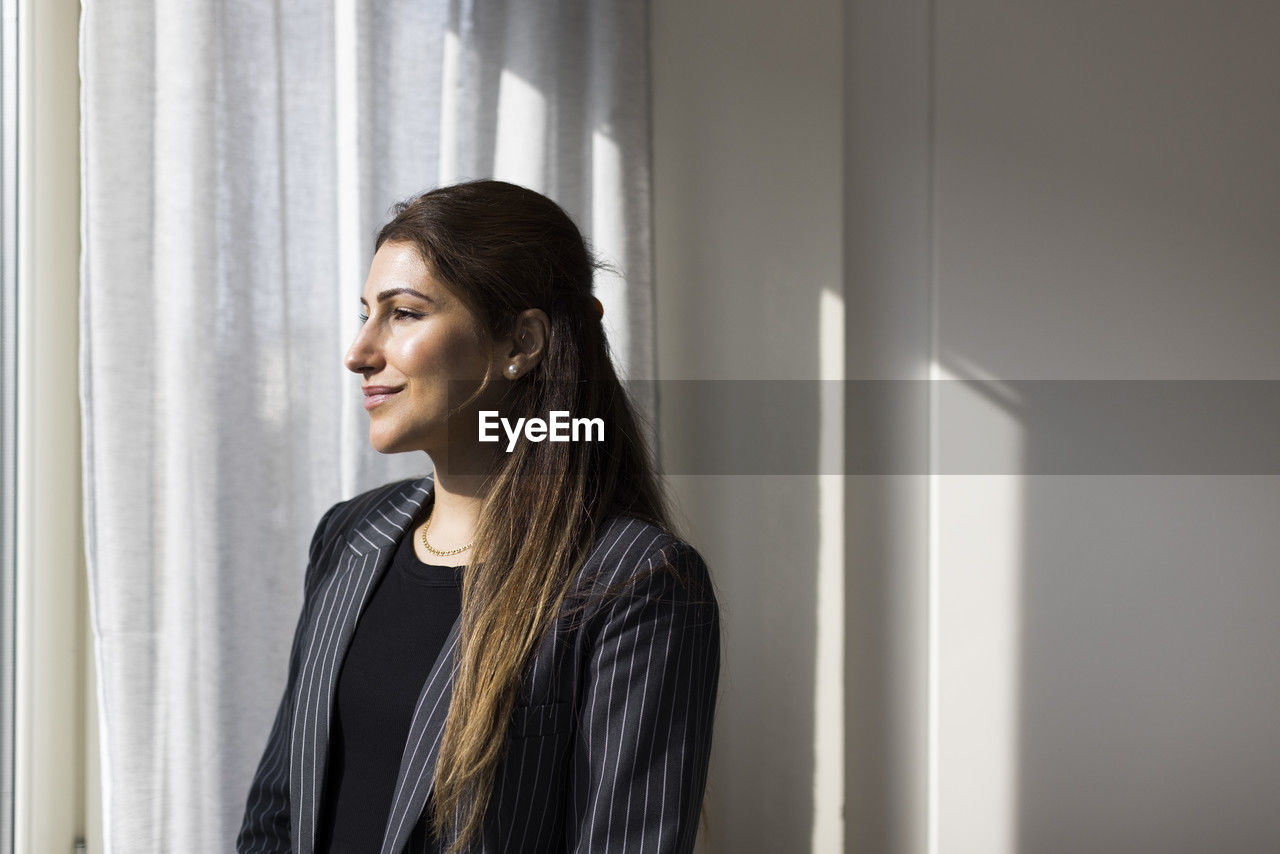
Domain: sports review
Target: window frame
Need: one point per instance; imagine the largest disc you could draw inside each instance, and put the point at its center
(56, 794)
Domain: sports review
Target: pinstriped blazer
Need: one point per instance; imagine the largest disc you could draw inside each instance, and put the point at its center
(608, 745)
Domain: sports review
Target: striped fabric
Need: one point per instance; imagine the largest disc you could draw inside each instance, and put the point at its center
(609, 742)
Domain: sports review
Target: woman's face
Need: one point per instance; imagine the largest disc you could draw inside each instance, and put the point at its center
(415, 339)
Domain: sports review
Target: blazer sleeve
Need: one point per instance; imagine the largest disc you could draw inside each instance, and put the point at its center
(645, 721)
(265, 827)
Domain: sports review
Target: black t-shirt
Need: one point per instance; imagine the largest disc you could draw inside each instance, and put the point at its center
(396, 641)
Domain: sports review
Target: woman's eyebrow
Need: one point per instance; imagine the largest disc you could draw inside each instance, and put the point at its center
(393, 291)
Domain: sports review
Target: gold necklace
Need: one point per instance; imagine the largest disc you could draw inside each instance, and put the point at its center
(436, 551)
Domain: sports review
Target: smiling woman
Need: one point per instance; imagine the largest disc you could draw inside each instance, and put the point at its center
(418, 339)
(516, 653)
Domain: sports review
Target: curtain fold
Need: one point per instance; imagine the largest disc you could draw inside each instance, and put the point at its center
(237, 159)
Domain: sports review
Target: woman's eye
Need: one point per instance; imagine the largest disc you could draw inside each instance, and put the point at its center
(399, 312)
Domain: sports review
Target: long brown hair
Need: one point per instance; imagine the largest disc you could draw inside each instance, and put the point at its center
(502, 248)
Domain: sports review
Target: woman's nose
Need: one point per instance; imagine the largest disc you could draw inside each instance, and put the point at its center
(363, 352)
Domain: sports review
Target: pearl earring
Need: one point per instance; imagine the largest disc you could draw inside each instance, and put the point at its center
(512, 369)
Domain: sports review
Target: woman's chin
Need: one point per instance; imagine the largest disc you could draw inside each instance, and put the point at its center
(391, 433)
(387, 441)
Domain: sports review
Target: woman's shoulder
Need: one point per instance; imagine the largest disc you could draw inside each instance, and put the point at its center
(634, 556)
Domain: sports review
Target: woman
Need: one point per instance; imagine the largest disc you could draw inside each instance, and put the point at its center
(515, 654)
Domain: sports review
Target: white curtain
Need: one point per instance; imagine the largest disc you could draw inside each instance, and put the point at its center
(238, 158)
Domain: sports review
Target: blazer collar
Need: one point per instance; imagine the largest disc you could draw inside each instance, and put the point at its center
(385, 522)
(340, 599)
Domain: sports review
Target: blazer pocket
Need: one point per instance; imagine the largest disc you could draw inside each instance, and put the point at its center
(543, 719)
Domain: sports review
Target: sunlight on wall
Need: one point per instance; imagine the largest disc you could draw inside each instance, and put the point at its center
(975, 544)
(828, 693)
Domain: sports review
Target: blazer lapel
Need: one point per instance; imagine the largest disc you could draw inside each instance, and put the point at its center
(418, 762)
(339, 600)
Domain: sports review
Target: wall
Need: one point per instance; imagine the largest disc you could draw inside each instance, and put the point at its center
(1044, 648)
(1105, 203)
(1092, 190)
(746, 111)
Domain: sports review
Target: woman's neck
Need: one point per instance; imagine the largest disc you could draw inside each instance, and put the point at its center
(454, 515)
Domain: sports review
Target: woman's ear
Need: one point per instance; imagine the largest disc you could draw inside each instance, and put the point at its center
(521, 351)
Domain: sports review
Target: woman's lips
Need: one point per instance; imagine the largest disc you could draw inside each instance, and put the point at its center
(373, 398)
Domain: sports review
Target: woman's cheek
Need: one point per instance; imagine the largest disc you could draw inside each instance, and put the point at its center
(461, 357)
